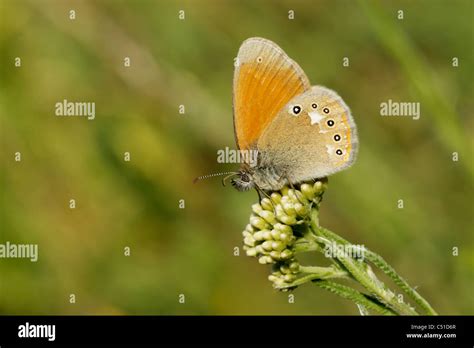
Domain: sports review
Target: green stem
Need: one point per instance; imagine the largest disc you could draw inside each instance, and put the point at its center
(341, 290)
(299, 281)
(378, 261)
(314, 273)
(355, 296)
(375, 287)
(305, 246)
(359, 271)
(325, 272)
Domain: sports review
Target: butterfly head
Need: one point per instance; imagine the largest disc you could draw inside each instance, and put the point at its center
(243, 181)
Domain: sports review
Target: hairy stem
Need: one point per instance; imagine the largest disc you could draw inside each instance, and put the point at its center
(379, 262)
(355, 296)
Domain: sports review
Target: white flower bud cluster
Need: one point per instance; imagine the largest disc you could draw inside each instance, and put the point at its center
(269, 235)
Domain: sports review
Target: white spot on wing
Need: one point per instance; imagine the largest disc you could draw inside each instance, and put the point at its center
(315, 116)
(330, 150)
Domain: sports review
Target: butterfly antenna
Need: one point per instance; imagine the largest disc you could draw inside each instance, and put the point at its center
(202, 177)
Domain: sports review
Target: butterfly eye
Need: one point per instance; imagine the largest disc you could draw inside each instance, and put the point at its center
(314, 105)
(259, 59)
(339, 152)
(295, 109)
(326, 110)
(330, 123)
(337, 137)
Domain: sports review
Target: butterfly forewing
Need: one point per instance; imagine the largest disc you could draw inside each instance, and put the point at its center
(265, 80)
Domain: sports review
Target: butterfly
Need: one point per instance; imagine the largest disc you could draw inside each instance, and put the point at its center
(299, 132)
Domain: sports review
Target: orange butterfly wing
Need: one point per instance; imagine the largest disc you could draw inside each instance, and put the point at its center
(265, 80)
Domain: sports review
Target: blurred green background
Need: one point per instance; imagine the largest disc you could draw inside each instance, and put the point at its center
(136, 204)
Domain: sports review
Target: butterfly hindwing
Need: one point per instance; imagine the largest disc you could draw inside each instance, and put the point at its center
(314, 135)
(265, 79)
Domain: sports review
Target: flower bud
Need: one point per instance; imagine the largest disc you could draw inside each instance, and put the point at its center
(279, 210)
(265, 259)
(289, 209)
(286, 254)
(251, 252)
(294, 267)
(301, 210)
(268, 216)
(276, 280)
(285, 200)
(246, 233)
(249, 241)
(273, 278)
(283, 228)
(275, 234)
(277, 273)
(275, 255)
(276, 197)
(267, 245)
(258, 222)
(289, 220)
(266, 204)
(278, 246)
(256, 208)
(267, 235)
(301, 197)
(282, 216)
(308, 191)
(258, 236)
(249, 228)
(285, 238)
(292, 195)
(319, 186)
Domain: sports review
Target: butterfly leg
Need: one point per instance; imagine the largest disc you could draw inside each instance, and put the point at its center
(262, 194)
(293, 188)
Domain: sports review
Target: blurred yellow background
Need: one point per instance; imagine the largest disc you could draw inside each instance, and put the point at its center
(190, 62)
